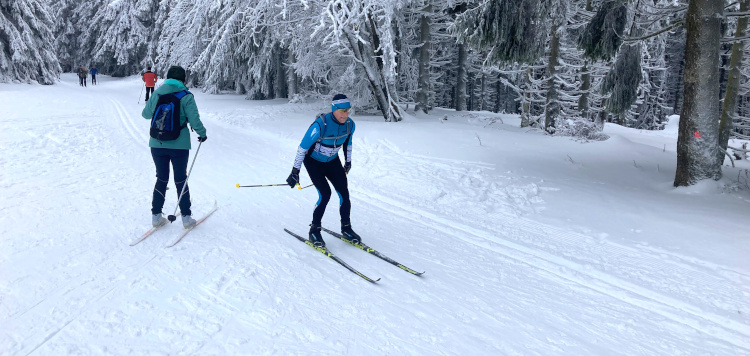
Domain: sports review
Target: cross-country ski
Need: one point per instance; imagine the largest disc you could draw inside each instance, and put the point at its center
(330, 255)
(504, 177)
(362, 246)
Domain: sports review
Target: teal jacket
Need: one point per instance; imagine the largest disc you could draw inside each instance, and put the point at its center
(188, 113)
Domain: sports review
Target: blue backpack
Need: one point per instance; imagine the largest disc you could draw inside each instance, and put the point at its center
(165, 124)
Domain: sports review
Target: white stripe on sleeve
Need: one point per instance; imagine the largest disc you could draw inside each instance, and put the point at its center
(301, 152)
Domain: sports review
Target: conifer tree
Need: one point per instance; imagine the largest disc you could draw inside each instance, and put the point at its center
(729, 108)
(698, 142)
(27, 42)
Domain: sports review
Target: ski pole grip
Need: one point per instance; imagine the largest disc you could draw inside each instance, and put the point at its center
(238, 185)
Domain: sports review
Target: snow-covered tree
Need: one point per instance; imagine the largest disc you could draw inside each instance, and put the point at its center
(511, 30)
(425, 32)
(602, 36)
(121, 33)
(27, 43)
(698, 141)
(729, 109)
(674, 55)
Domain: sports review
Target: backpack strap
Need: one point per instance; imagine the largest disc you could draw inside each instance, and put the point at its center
(181, 94)
(322, 117)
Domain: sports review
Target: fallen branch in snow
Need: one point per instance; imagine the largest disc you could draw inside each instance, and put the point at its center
(635, 164)
(730, 158)
(494, 120)
(479, 139)
(740, 149)
(571, 159)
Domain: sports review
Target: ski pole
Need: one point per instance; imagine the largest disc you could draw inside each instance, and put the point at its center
(139, 95)
(262, 185)
(300, 187)
(173, 217)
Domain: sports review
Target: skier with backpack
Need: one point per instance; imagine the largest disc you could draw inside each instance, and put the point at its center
(170, 110)
(82, 74)
(319, 152)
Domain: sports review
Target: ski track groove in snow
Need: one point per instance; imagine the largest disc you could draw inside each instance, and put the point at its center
(715, 325)
(93, 302)
(126, 122)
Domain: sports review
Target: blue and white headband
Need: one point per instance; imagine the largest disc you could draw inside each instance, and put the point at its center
(340, 104)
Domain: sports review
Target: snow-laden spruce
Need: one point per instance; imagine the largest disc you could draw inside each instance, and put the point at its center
(26, 42)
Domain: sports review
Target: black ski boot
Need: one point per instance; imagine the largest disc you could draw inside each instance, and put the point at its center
(315, 236)
(349, 234)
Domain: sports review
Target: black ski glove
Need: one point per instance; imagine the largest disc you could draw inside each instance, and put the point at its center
(202, 139)
(347, 167)
(293, 179)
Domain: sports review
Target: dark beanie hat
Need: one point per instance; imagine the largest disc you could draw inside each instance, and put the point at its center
(176, 72)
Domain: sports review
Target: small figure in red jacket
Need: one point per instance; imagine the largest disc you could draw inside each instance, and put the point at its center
(150, 79)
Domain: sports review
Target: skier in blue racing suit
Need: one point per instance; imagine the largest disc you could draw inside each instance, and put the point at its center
(319, 152)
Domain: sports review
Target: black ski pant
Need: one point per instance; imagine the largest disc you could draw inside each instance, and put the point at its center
(318, 172)
(82, 81)
(93, 79)
(147, 91)
(179, 159)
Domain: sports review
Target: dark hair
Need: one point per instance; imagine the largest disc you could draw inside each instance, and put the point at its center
(176, 72)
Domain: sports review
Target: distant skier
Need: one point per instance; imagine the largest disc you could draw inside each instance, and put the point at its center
(319, 151)
(150, 79)
(93, 71)
(82, 74)
(176, 151)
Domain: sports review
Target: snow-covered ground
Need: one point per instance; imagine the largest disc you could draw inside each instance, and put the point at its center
(532, 245)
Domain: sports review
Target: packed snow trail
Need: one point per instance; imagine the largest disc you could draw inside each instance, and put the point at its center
(77, 177)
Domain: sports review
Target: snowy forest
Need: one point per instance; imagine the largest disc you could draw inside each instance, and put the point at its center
(567, 67)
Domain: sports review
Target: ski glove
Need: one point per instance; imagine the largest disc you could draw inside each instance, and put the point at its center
(347, 167)
(202, 139)
(293, 179)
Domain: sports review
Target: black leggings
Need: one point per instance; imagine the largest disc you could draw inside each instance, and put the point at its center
(179, 159)
(318, 172)
(147, 90)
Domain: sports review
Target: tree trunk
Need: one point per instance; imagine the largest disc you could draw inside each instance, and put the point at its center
(698, 142)
(552, 109)
(733, 85)
(371, 67)
(470, 89)
(680, 88)
(583, 101)
(461, 79)
(482, 101)
(499, 97)
(423, 93)
(391, 110)
(291, 76)
(280, 84)
(526, 101)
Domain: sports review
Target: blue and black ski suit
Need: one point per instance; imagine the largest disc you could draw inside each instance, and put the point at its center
(319, 152)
